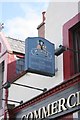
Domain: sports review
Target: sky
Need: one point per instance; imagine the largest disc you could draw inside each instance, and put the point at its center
(21, 18)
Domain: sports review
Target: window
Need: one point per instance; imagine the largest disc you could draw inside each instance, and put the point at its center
(76, 47)
(20, 63)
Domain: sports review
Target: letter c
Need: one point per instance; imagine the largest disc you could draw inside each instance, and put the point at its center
(69, 100)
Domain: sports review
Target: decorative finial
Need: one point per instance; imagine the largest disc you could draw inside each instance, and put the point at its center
(1, 26)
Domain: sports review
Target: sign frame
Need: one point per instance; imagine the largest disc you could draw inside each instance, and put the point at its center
(39, 56)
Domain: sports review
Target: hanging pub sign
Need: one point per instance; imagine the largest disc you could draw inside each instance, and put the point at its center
(39, 56)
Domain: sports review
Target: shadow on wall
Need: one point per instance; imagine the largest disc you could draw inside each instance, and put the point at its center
(15, 69)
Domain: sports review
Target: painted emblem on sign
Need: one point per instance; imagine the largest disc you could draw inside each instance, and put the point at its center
(41, 50)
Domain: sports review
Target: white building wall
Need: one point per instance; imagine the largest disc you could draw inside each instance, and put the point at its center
(20, 93)
(57, 14)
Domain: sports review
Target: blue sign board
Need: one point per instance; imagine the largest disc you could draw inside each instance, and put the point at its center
(39, 56)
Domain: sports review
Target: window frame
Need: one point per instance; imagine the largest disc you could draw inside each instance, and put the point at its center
(76, 47)
(68, 63)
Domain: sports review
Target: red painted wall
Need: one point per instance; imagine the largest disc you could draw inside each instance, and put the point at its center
(11, 69)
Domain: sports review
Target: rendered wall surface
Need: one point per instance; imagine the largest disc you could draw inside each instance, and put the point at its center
(58, 13)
